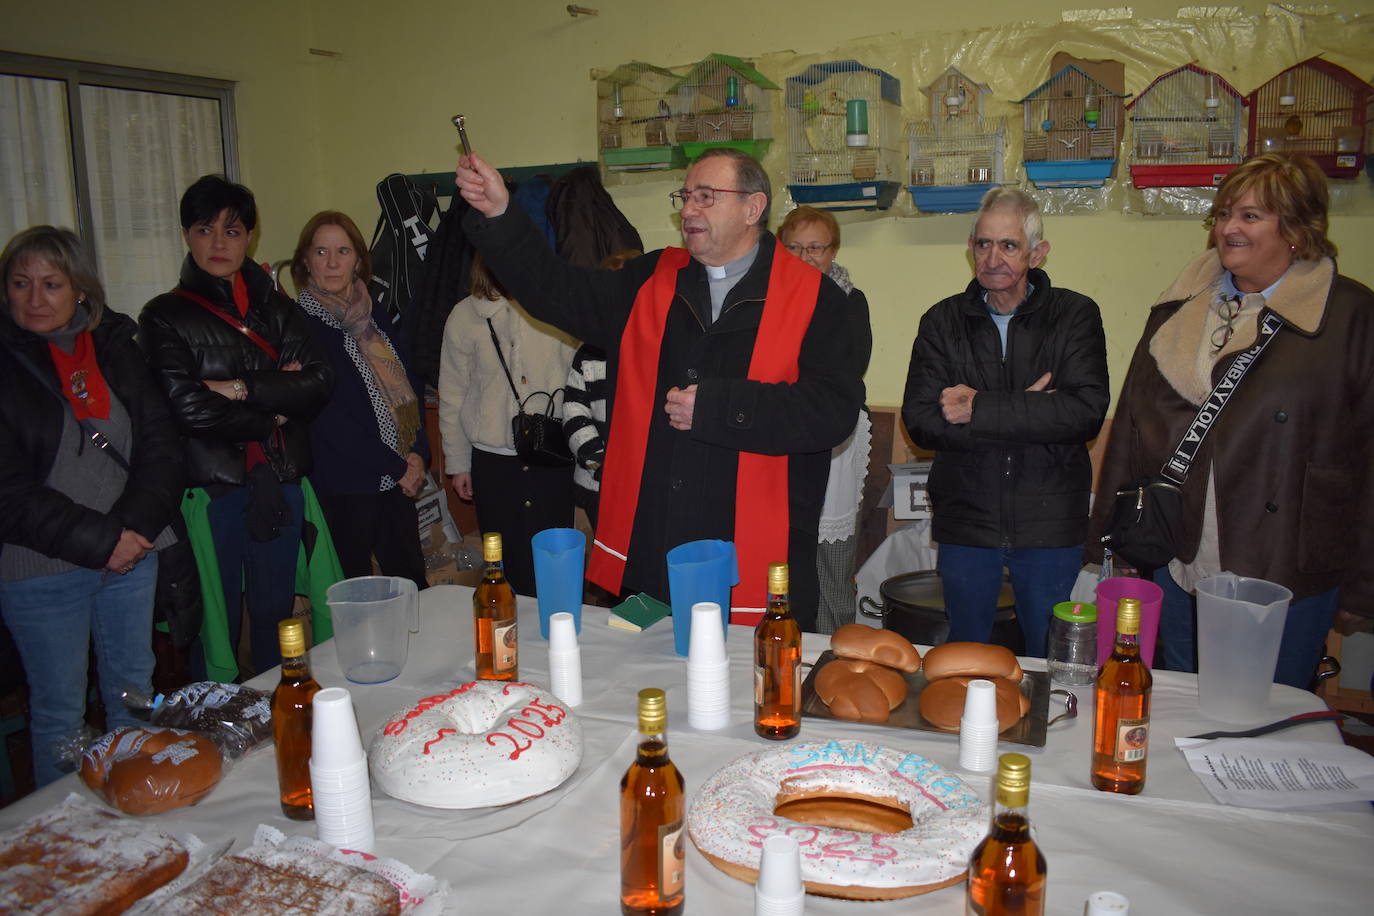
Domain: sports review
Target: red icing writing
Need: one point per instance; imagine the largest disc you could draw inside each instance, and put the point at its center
(528, 730)
(399, 725)
(440, 737)
(838, 844)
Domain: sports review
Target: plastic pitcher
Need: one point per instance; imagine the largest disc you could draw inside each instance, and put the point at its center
(700, 571)
(558, 564)
(372, 615)
(1239, 628)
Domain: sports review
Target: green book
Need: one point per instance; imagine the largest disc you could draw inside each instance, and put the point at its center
(638, 612)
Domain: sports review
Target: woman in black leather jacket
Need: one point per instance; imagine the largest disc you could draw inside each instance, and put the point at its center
(90, 476)
(242, 399)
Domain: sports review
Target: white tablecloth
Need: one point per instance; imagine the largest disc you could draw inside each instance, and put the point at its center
(1171, 850)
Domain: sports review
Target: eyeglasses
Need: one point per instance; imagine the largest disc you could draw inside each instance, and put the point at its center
(701, 197)
(1228, 307)
(815, 248)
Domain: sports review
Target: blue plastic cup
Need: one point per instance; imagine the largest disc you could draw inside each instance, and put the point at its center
(558, 571)
(699, 571)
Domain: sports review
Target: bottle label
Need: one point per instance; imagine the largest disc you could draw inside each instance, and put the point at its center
(671, 860)
(505, 653)
(1132, 740)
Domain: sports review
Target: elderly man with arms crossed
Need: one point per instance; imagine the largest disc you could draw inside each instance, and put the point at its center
(732, 374)
(1008, 381)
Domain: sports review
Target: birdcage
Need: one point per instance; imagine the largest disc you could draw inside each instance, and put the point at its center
(633, 120)
(1072, 130)
(843, 147)
(1185, 130)
(1316, 108)
(955, 155)
(722, 101)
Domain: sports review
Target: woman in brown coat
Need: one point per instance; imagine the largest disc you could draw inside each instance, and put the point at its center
(1283, 486)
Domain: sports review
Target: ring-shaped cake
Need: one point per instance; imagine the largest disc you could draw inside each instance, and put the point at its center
(846, 803)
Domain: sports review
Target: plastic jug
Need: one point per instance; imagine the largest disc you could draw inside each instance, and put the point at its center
(372, 615)
(1239, 628)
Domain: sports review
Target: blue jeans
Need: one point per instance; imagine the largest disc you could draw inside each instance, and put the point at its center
(54, 620)
(1304, 632)
(1041, 577)
(264, 570)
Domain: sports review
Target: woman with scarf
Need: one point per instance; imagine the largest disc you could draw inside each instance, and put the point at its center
(1282, 487)
(90, 477)
(369, 441)
(814, 236)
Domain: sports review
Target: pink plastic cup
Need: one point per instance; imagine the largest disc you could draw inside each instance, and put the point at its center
(1109, 592)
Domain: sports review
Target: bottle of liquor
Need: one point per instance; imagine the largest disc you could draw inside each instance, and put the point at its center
(777, 663)
(493, 615)
(653, 805)
(1121, 723)
(291, 722)
(1006, 876)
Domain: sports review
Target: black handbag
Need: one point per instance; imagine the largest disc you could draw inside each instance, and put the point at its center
(1146, 525)
(538, 437)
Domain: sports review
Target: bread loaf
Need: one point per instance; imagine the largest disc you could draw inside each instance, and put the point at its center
(978, 659)
(148, 771)
(942, 702)
(858, 690)
(854, 640)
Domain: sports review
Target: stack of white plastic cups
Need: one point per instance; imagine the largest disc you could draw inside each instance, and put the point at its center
(1106, 903)
(779, 890)
(708, 670)
(339, 787)
(565, 659)
(978, 728)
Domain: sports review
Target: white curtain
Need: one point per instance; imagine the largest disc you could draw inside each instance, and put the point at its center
(35, 155)
(143, 149)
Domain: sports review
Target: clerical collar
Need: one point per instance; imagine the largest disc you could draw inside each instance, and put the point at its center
(723, 279)
(1030, 291)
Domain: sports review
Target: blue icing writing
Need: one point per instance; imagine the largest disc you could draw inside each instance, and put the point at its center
(916, 765)
(834, 752)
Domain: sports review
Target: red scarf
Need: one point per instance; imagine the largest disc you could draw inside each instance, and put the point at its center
(79, 375)
(761, 484)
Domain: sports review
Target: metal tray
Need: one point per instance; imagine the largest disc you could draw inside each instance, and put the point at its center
(1030, 730)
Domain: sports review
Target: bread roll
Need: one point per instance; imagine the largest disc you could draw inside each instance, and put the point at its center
(978, 659)
(859, 699)
(854, 640)
(833, 677)
(942, 702)
(148, 771)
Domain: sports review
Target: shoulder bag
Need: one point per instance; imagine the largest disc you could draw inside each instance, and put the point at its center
(539, 437)
(1146, 525)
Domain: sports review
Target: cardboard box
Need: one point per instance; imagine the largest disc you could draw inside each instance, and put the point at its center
(431, 511)
(906, 494)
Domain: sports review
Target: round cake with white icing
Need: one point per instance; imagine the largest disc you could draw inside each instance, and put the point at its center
(873, 823)
(481, 744)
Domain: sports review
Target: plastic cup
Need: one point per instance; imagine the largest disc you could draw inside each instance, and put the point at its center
(1239, 629)
(1109, 592)
(980, 702)
(563, 632)
(779, 888)
(558, 571)
(334, 739)
(706, 643)
(699, 571)
(1106, 903)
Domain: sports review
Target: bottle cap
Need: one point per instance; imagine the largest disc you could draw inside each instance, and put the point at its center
(491, 547)
(291, 635)
(1013, 780)
(1128, 616)
(777, 578)
(1076, 611)
(653, 711)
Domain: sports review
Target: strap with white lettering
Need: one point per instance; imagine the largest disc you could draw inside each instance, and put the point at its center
(1180, 461)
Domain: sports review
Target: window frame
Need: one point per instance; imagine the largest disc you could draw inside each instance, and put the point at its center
(75, 74)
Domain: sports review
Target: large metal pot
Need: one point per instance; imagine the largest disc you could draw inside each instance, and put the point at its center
(913, 604)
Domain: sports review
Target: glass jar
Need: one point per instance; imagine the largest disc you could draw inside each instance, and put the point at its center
(1073, 643)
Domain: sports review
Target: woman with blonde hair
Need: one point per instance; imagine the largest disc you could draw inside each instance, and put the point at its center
(1282, 487)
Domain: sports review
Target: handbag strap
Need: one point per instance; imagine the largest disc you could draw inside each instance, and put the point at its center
(499, 355)
(101, 441)
(1180, 460)
(228, 319)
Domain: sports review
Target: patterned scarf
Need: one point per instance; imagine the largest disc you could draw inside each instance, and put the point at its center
(841, 277)
(353, 314)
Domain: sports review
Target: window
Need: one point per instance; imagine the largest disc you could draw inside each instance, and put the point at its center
(108, 151)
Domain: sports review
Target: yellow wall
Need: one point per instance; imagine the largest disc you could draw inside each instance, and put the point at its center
(318, 132)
